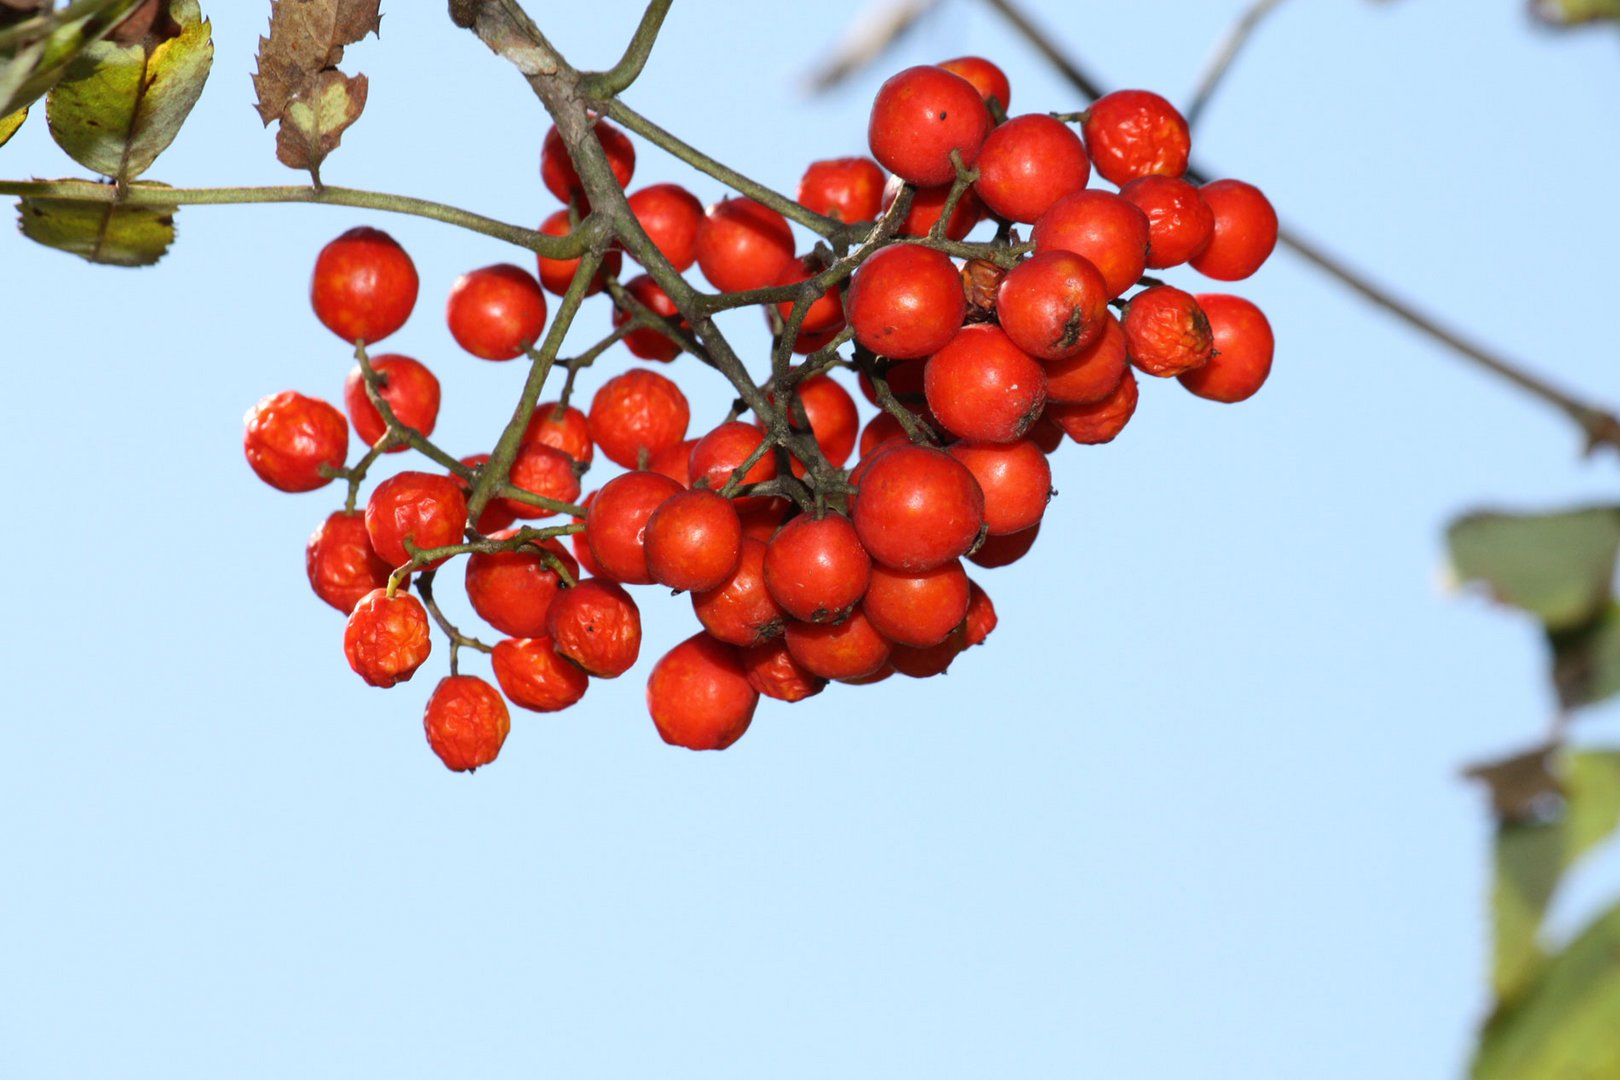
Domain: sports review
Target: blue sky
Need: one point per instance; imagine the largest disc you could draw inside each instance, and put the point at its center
(1194, 810)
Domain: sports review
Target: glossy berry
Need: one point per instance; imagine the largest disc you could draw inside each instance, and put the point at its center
(1091, 374)
(533, 676)
(1243, 348)
(562, 427)
(339, 561)
(1109, 231)
(1029, 163)
(466, 722)
(998, 551)
(1180, 222)
(906, 301)
(919, 117)
(647, 343)
(1101, 421)
(741, 609)
(981, 616)
(771, 669)
(928, 205)
(1245, 230)
(1016, 480)
(545, 471)
(724, 450)
(557, 274)
(387, 639)
(409, 388)
(616, 525)
(496, 312)
(917, 608)
(638, 412)
(851, 649)
(918, 508)
(513, 590)
(1132, 133)
(428, 509)
(693, 540)
(930, 660)
(825, 313)
(557, 169)
(743, 245)
(844, 189)
(833, 418)
(880, 430)
(671, 217)
(288, 438)
(988, 79)
(816, 568)
(1053, 305)
(364, 286)
(699, 695)
(983, 387)
(675, 462)
(1166, 332)
(596, 625)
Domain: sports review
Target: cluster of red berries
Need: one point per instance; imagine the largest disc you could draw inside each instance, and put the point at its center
(980, 370)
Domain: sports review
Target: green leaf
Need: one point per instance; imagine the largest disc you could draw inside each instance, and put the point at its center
(36, 51)
(119, 106)
(1570, 12)
(1586, 660)
(1559, 567)
(1566, 1026)
(100, 232)
(10, 124)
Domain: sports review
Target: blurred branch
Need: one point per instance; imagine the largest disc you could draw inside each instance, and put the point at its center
(1225, 53)
(867, 40)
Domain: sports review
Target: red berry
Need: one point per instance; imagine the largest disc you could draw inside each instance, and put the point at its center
(699, 695)
(513, 590)
(1016, 480)
(647, 343)
(387, 639)
(1166, 332)
(635, 413)
(743, 245)
(881, 429)
(580, 542)
(466, 722)
(906, 301)
(981, 615)
(832, 415)
(1243, 348)
(1029, 163)
(693, 540)
(596, 625)
(723, 451)
(1091, 374)
(545, 471)
(999, 551)
(1106, 229)
(918, 508)
(496, 312)
(845, 189)
(290, 436)
(675, 462)
(563, 427)
(533, 676)
(988, 79)
(1101, 421)
(772, 671)
(1053, 305)
(409, 388)
(1132, 133)
(557, 169)
(930, 660)
(616, 526)
(1046, 435)
(341, 566)
(927, 204)
(917, 608)
(851, 649)
(557, 274)
(496, 516)
(1245, 231)
(1180, 222)
(741, 609)
(671, 217)
(826, 312)
(816, 568)
(364, 286)
(983, 387)
(919, 117)
(427, 509)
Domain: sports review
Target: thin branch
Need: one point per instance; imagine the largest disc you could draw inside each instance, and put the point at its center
(617, 79)
(1225, 53)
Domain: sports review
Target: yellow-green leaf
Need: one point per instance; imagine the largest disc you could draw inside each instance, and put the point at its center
(1586, 660)
(1570, 12)
(10, 124)
(43, 46)
(118, 235)
(1559, 567)
(119, 106)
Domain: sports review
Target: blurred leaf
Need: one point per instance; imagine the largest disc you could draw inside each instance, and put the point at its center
(35, 49)
(120, 105)
(100, 232)
(1570, 12)
(298, 82)
(10, 124)
(1567, 1026)
(1519, 785)
(1586, 660)
(1593, 787)
(1559, 567)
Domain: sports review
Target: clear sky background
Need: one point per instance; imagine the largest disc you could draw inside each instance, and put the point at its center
(1193, 811)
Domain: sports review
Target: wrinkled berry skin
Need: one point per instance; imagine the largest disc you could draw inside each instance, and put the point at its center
(533, 676)
(364, 286)
(466, 722)
(428, 509)
(772, 671)
(341, 566)
(596, 625)
(289, 437)
(699, 695)
(922, 114)
(1166, 332)
(1134, 133)
(386, 640)
(636, 412)
(1180, 222)
(1243, 350)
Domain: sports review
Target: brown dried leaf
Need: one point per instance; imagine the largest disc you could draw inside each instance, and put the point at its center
(298, 74)
(312, 127)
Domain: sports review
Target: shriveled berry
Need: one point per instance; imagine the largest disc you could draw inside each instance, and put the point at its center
(1132, 133)
(563, 427)
(545, 471)
(699, 696)
(596, 625)
(387, 638)
(288, 438)
(919, 117)
(364, 285)
(1243, 350)
(339, 561)
(533, 676)
(1166, 332)
(409, 388)
(1180, 222)
(638, 412)
(771, 669)
(428, 509)
(466, 722)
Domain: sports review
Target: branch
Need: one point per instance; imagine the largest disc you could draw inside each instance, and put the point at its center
(617, 79)
(1225, 53)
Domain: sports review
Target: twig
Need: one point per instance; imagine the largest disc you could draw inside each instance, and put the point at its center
(1225, 52)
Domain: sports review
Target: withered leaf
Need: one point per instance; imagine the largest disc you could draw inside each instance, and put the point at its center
(312, 128)
(298, 82)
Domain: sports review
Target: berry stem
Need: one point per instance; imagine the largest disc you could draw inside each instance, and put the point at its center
(424, 589)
